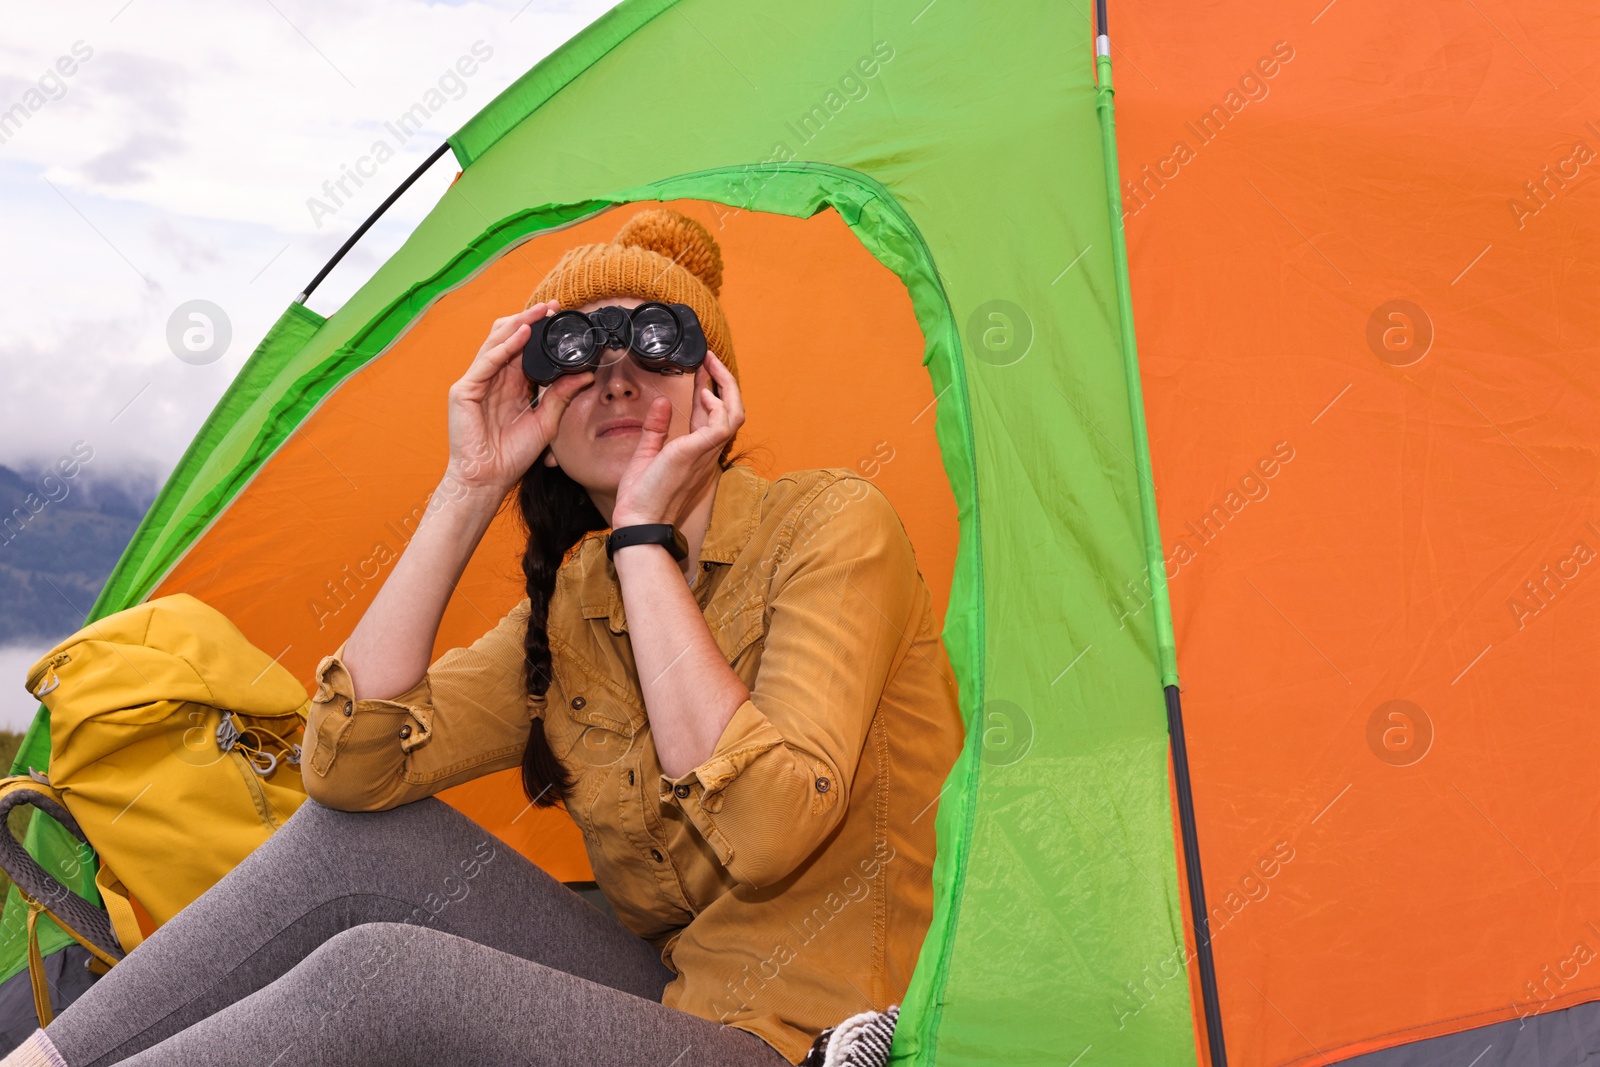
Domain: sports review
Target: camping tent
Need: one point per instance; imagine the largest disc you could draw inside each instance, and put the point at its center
(1361, 261)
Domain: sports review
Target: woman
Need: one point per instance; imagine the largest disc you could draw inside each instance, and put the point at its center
(752, 740)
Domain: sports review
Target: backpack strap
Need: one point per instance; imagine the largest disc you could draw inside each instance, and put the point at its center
(86, 924)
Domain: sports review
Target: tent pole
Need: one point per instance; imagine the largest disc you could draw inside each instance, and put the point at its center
(365, 226)
(1155, 565)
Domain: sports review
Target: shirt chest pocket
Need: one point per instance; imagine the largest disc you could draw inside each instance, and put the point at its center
(595, 731)
(598, 743)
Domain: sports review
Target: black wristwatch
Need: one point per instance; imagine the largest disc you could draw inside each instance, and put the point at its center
(650, 533)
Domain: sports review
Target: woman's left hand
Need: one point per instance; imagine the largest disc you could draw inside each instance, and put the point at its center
(664, 477)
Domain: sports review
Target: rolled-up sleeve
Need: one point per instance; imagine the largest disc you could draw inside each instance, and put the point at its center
(468, 716)
(843, 606)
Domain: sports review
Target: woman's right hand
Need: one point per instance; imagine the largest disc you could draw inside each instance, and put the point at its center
(494, 435)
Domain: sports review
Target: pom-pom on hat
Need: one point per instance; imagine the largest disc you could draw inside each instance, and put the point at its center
(659, 254)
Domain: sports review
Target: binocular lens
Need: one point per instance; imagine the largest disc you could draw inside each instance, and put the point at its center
(655, 332)
(568, 340)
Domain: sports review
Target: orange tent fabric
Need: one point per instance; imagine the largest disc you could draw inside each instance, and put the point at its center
(1363, 247)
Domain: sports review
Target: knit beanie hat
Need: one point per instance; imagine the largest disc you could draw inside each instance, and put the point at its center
(659, 254)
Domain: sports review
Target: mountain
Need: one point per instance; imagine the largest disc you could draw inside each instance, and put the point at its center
(60, 537)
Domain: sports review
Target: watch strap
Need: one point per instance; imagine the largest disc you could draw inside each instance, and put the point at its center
(649, 533)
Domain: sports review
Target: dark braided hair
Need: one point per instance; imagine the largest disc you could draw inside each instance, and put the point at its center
(556, 513)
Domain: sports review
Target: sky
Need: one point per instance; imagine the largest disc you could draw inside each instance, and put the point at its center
(159, 153)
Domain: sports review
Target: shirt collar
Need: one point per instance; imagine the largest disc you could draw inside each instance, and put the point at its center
(735, 514)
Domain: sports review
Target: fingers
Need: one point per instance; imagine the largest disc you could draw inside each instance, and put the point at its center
(505, 342)
(708, 438)
(728, 386)
(726, 411)
(653, 433)
(507, 325)
(698, 411)
(554, 399)
(658, 417)
(564, 388)
(710, 409)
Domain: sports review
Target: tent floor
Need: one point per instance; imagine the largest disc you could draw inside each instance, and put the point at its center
(1567, 1038)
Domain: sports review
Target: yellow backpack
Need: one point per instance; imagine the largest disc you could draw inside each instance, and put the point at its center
(174, 752)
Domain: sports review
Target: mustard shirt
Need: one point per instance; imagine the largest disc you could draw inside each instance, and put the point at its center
(787, 880)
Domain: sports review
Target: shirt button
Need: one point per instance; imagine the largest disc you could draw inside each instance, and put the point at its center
(680, 791)
(655, 854)
(347, 707)
(822, 785)
(405, 731)
(578, 703)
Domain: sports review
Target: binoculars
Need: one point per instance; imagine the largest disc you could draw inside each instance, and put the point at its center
(664, 338)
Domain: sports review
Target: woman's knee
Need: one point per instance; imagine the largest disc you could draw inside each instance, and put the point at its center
(313, 811)
(309, 826)
(340, 975)
(316, 821)
(336, 971)
(366, 948)
(315, 831)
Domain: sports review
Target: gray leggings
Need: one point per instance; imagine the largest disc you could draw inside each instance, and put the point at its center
(409, 936)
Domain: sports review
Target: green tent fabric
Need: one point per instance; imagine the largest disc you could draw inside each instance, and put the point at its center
(974, 168)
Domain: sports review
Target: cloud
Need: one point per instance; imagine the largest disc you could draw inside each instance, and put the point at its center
(130, 162)
(175, 163)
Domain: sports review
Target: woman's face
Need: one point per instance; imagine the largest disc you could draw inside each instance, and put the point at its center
(600, 428)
